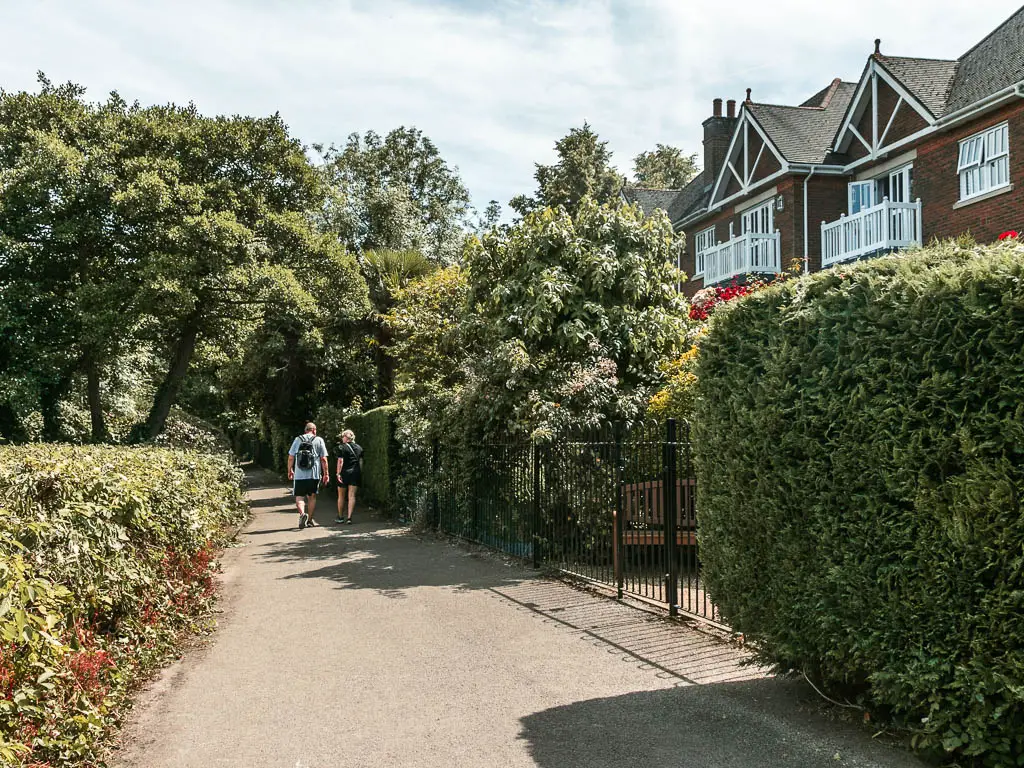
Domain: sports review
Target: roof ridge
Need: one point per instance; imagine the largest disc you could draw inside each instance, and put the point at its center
(782, 106)
(917, 58)
(653, 189)
(836, 82)
(832, 88)
(998, 27)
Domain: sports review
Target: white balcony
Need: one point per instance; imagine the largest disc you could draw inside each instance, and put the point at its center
(882, 227)
(747, 254)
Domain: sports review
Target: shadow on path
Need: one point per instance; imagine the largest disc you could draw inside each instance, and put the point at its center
(374, 554)
(672, 651)
(753, 724)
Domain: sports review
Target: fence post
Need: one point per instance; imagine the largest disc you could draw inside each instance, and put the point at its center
(435, 482)
(535, 521)
(617, 520)
(671, 508)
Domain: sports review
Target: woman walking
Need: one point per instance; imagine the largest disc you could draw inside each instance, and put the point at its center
(349, 472)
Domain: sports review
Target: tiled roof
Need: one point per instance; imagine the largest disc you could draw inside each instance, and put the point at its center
(804, 134)
(650, 199)
(990, 66)
(692, 198)
(928, 79)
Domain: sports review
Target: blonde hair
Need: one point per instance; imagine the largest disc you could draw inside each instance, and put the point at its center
(349, 434)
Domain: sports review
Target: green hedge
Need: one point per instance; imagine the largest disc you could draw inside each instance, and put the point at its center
(106, 556)
(375, 433)
(860, 456)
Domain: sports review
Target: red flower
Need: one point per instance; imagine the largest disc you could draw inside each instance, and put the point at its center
(1009, 234)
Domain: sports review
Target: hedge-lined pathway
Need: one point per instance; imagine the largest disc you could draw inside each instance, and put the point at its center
(368, 646)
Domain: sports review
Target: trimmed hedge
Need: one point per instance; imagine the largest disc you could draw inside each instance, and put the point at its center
(106, 556)
(860, 456)
(375, 433)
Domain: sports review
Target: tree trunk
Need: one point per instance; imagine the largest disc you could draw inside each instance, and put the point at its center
(99, 424)
(167, 394)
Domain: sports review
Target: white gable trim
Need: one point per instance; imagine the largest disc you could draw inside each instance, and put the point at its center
(910, 98)
(743, 192)
(739, 150)
(875, 144)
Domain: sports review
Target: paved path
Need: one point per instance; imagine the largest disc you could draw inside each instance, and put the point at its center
(367, 646)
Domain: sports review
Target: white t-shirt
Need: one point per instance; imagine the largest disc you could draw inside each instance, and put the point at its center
(319, 450)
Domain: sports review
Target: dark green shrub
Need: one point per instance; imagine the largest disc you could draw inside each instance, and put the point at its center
(106, 555)
(374, 430)
(860, 459)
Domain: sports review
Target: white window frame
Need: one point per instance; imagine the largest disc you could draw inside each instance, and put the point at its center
(760, 219)
(857, 192)
(902, 177)
(703, 241)
(983, 162)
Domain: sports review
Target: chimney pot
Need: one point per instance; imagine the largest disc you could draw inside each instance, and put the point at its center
(730, 108)
(716, 107)
(878, 46)
(748, 95)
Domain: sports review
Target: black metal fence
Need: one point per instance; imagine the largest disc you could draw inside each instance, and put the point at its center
(612, 507)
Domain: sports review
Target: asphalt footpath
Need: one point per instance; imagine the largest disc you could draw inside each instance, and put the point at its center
(369, 645)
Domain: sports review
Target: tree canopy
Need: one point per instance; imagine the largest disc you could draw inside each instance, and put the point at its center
(394, 193)
(575, 314)
(583, 170)
(664, 167)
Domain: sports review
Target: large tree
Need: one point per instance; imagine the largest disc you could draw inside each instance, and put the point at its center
(159, 226)
(394, 193)
(664, 167)
(71, 260)
(573, 315)
(583, 169)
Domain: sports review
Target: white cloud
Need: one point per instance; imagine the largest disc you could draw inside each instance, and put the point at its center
(494, 84)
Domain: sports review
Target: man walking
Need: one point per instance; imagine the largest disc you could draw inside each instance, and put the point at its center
(307, 469)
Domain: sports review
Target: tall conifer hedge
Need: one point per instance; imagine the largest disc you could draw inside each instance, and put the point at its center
(860, 454)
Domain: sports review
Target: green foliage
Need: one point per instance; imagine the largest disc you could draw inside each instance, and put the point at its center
(394, 193)
(430, 351)
(191, 433)
(664, 167)
(128, 226)
(374, 431)
(105, 557)
(429, 325)
(583, 170)
(860, 455)
(572, 317)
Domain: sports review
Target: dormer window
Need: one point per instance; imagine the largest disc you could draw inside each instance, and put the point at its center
(984, 163)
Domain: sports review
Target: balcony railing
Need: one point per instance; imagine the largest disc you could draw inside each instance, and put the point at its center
(742, 255)
(882, 227)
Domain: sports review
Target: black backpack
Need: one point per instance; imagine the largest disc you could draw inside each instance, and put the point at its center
(306, 458)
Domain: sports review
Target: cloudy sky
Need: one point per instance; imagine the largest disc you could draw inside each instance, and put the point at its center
(494, 84)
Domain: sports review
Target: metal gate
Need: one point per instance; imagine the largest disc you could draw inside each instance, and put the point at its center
(613, 507)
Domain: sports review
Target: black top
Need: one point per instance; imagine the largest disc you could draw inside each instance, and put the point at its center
(350, 454)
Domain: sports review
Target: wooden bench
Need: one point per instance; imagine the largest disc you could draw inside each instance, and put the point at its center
(643, 513)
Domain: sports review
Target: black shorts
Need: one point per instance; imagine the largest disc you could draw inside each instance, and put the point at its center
(345, 479)
(306, 487)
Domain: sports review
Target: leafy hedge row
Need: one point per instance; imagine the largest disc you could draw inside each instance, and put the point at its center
(105, 557)
(374, 430)
(860, 454)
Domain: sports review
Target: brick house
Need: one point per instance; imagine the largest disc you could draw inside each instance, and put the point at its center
(916, 149)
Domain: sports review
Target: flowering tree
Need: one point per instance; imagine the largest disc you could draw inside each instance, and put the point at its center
(574, 314)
